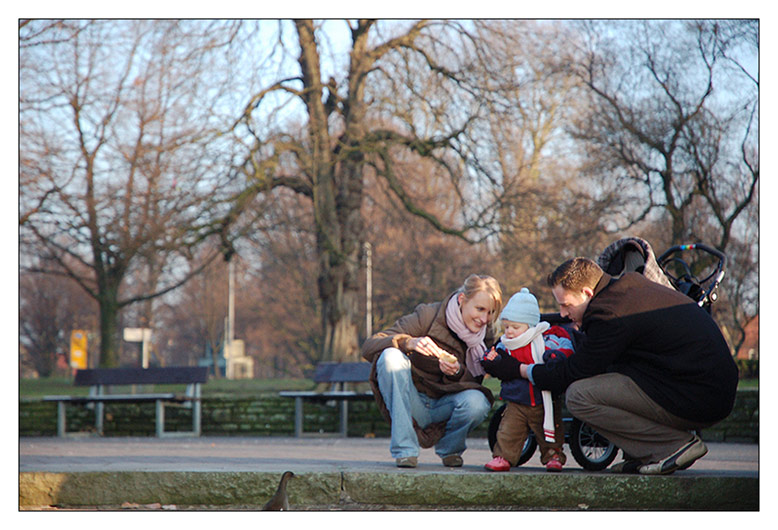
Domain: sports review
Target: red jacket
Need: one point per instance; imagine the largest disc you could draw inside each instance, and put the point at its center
(559, 345)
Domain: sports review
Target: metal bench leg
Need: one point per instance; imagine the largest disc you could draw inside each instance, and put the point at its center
(61, 419)
(298, 416)
(160, 418)
(196, 421)
(99, 414)
(344, 418)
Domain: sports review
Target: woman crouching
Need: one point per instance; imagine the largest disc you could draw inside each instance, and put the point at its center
(426, 373)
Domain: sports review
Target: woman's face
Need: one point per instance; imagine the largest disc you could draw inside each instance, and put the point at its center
(477, 311)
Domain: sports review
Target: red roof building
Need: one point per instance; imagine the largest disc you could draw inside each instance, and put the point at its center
(750, 347)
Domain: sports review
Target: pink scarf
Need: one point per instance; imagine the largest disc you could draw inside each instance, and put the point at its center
(474, 341)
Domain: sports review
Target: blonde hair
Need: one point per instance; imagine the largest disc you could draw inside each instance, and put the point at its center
(475, 283)
(575, 274)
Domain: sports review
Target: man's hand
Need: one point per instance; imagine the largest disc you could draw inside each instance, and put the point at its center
(503, 367)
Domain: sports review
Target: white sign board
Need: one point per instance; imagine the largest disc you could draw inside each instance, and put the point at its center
(137, 334)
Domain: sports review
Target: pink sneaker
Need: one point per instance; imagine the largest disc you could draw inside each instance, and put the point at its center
(555, 464)
(498, 463)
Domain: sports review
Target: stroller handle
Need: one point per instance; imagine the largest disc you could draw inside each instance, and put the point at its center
(701, 246)
(707, 295)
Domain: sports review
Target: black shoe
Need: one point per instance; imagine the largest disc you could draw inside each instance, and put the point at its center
(681, 459)
(628, 466)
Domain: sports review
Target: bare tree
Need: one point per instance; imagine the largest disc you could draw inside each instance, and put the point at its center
(672, 116)
(405, 94)
(283, 327)
(739, 302)
(50, 307)
(412, 261)
(195, 319)
(121, 163)
(673, 131)
(461, 125)
(544, 212)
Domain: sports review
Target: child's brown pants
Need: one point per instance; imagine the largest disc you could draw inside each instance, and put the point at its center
(517, 421)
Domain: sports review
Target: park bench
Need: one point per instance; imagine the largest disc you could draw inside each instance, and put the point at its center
(101, 381)
(338, 376)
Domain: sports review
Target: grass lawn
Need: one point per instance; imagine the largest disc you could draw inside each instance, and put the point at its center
(748, 384)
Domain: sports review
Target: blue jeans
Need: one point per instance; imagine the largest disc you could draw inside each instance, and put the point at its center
(462, 411)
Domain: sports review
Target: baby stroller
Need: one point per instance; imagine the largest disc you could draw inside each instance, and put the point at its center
(670, 269)
(590, 449)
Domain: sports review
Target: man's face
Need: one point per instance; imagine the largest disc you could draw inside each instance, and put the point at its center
(572, 304)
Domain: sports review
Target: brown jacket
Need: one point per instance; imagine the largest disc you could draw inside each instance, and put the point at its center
(426, 320)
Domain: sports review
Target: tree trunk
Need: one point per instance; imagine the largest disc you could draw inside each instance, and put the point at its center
(339, 314)
(337, 196)
(338, 247)
(109, 315)
(215, 359)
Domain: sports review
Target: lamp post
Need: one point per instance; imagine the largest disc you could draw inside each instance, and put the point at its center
(368, 290)
(230, 320)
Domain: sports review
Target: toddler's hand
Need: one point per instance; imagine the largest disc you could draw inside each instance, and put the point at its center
(491, 355)
(504, 367)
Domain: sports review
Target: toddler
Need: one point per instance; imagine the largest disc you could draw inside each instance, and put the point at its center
(529, 341)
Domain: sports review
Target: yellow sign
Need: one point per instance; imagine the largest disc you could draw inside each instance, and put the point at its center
(78, 349)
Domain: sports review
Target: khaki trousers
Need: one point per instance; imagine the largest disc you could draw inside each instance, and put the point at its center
(517, 421)
(615, 406)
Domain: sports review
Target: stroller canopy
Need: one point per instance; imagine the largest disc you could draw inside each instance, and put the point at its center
(632, 254)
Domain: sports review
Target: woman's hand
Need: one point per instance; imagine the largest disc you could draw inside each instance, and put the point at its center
(448, 368)
(425, 346)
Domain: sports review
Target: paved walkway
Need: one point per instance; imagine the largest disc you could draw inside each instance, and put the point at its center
(273, 454)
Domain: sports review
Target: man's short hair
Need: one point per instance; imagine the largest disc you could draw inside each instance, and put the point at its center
(575, 274)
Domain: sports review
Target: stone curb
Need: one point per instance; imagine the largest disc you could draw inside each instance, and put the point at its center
(376, 490)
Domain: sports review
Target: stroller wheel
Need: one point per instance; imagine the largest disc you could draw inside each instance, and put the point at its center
(590, 449)
(494, 425)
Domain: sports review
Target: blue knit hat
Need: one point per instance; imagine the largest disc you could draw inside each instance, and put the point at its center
(522, 307)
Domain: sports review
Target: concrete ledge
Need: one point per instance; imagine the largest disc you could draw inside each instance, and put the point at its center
(564, 491)
(377, 490)
(171, 487)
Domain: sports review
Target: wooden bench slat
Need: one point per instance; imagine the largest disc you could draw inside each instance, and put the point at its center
(328, 372)
(328, 396)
